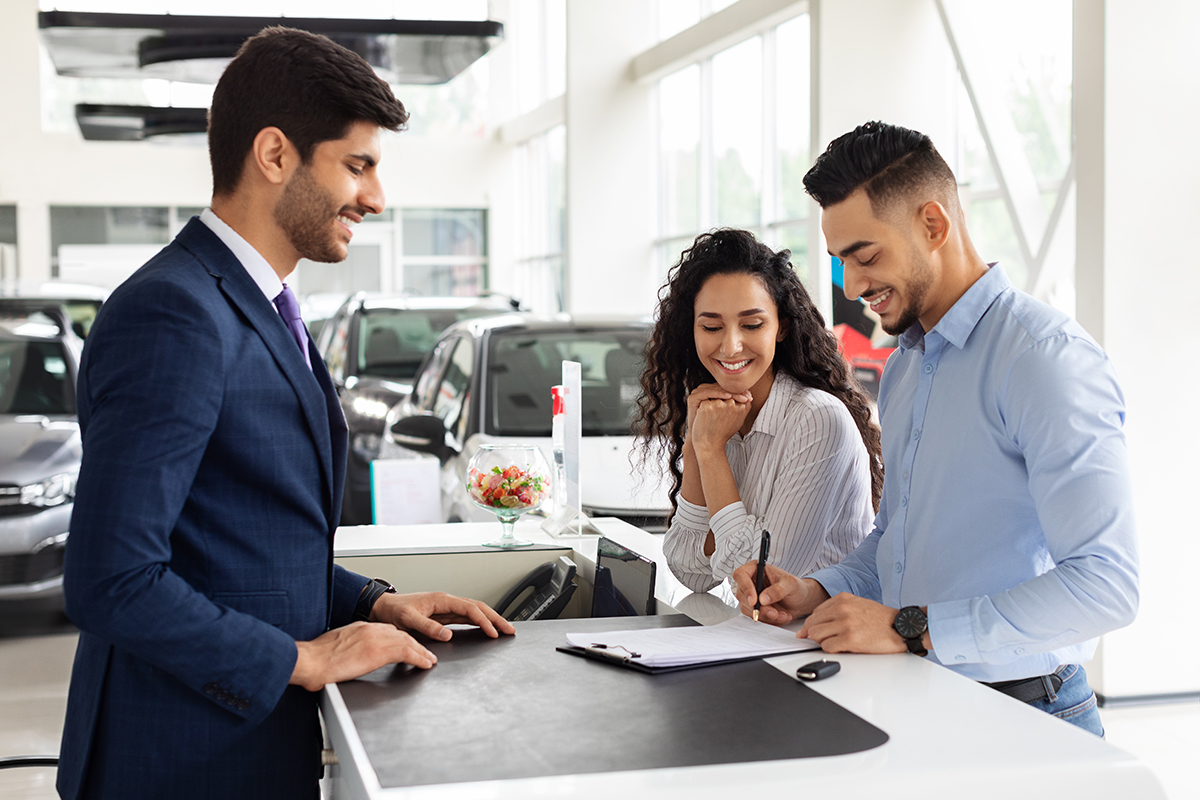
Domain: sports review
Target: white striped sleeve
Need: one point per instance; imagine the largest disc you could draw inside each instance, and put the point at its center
(683, 547)
(812, 489)
(820, 506)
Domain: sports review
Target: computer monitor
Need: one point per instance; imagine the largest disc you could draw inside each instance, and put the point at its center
(624, 584)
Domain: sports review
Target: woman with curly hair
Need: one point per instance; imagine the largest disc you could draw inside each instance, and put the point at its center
(761, 424)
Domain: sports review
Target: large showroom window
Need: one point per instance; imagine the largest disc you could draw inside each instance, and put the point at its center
(539, 60)
(733, 132)
(444, 251)
(541, 188)
(1015, 165)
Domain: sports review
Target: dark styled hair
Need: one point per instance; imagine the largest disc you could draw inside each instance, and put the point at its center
(808, 351)
(306, 85)
(891, 163)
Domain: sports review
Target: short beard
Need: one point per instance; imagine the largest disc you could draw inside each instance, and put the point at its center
(305, 212)
(916, 291)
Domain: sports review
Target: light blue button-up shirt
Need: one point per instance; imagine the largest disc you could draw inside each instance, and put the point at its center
(1006, 505)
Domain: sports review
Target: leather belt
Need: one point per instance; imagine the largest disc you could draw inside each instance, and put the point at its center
(1029, 690)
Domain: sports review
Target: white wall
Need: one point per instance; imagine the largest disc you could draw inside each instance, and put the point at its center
(1150, 207)
(611, 209)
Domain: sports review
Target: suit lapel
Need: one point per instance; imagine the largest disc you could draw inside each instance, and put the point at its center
(339, 432)
(243, 293)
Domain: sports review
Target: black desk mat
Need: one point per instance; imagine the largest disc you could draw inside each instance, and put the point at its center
(515, 708)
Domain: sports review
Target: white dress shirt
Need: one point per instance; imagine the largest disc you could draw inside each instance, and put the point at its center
(802, 473)
(262, 273)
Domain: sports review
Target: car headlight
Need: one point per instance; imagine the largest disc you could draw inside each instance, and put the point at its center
(54, 491)
(366, 445)
(369, 407)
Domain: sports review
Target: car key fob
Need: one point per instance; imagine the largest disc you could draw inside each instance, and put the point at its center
(818, 670)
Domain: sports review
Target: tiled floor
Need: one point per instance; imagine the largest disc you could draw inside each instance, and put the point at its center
(35, 663)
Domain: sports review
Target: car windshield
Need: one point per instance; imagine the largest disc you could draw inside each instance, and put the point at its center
(34, 378)
(522, 366)
(392, 342)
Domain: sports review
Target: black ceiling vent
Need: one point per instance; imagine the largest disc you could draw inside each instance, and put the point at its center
(197, 48)
(108, 123)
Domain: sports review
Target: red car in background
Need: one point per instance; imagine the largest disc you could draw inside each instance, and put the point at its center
(866, 361)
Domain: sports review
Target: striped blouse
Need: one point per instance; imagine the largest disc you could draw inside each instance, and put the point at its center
(802, 473)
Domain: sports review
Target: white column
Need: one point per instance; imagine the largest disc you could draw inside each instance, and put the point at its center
(1149, 201)
(611, 208)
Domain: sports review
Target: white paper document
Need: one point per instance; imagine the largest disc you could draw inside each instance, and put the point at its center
(739, 637)
(405, 491)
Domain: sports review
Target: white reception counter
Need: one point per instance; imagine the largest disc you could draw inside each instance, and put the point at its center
(949, 736)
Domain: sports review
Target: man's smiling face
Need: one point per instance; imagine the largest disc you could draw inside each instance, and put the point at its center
(325, 198)
(884, 264)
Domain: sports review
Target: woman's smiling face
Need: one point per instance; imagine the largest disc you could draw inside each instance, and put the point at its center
(736, 330)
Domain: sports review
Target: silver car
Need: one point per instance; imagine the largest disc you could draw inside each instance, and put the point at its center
(488, 381)
(40, 449)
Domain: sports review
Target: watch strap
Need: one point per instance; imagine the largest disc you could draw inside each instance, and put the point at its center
(375, 589)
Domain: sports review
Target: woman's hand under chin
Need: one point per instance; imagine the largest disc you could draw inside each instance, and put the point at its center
(710, 391)
(715, 417)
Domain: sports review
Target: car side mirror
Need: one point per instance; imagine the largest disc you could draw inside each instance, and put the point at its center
(424, 433)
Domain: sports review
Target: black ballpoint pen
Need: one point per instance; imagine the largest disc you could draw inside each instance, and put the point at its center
(761, 576)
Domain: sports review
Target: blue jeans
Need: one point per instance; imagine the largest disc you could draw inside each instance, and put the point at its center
(1076, 702)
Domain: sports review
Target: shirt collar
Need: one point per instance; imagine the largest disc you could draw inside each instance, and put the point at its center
(770, 416)
(956, 326)
(263, 275)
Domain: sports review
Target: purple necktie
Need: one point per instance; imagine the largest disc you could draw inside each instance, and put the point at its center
(289, 309)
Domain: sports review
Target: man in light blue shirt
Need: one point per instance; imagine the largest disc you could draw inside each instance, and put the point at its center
(1004, 544)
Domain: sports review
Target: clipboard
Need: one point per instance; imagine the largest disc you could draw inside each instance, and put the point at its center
(621, 660)
(672, 649)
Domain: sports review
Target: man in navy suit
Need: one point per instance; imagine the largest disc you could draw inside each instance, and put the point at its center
(200, 568)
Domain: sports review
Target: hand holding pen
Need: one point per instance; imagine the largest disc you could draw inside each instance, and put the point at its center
(783, 598)
(760, 575)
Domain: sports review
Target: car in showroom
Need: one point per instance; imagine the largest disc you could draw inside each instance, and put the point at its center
(80, 303)
(488, 381)
(40, 449)
(373, 346)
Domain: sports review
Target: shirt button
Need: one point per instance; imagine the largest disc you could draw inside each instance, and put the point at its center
(928, 368)
(899, 567)
(904, 501)
(916, 433)
(1019, 651)
(960, 658)
(904, 475)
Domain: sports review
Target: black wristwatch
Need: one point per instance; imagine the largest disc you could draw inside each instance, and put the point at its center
(375, 589)
(911, 623)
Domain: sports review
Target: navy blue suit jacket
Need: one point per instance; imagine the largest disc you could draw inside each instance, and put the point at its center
(201, 539)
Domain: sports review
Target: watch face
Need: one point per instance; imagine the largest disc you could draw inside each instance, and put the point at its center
(910, 623)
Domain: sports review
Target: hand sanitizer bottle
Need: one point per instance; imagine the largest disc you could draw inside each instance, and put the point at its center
(557, 444)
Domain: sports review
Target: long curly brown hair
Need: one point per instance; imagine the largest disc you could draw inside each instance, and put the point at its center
(809, 351)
